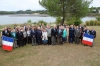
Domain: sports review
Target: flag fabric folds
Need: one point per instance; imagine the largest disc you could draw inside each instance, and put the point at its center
(7, 43)
(88, 39)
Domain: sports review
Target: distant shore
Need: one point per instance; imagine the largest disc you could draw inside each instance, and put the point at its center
(29, 15)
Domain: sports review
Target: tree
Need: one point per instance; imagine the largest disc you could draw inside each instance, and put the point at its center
(58, 20)
(66, 8)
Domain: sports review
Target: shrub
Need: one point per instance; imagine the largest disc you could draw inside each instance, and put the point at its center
(99, 23)
(88, 23)
(77, 22)
(42, 22)
(29, 21)
(95, 23)
(92, 22)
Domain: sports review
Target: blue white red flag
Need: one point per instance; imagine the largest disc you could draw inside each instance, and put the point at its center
(88, 39)
(7, 43)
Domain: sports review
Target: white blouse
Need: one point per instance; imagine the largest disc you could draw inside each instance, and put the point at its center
(44, 36)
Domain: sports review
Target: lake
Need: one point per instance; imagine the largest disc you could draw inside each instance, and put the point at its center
(8, 19)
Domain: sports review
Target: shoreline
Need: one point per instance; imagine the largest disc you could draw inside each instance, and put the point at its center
(27, 15)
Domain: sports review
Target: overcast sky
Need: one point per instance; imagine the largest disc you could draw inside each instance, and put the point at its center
(15, 5)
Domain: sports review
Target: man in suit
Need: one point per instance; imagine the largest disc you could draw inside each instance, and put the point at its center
(87, 30)
(54, 35)
(93, 32)
(20, 37)
(59, 35)
(71, 34)
(81, 27)
(39, 35)
(77, 35)
(33, 36)
(6, 32)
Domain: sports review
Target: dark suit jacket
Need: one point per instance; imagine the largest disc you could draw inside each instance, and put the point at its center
(6, 33)
(53, 32)
(59, 34)
(87, 31)
(77, 33)
(80, 27)
(93, 33)
(71, 32)
(38, 33)
(19, 35)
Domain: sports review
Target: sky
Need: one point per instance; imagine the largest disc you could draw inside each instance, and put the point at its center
(15, 5)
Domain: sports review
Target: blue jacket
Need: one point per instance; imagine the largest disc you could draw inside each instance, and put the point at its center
(38, 33)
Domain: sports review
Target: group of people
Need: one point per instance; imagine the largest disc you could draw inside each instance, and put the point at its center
(47, 35)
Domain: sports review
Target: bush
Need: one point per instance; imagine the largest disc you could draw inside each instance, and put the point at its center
(42, 22)
(92, 22)
(96, 23)
(77, 22)
(88, 23)
(29, 21)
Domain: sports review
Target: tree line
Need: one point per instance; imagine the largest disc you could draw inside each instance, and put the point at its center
(24, 12)
(91, 10)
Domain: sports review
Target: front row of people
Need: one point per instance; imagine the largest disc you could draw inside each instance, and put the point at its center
(51, 36)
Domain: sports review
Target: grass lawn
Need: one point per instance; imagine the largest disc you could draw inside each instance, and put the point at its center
(66, 55)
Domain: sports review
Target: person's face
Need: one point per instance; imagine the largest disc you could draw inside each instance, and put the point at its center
(48, 26)
(54, 26)
(77, 27)
(44, 30)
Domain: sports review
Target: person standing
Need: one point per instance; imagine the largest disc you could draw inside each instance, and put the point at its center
(29, 36)
(25, 37)
(44, 36)
(49, 34)
(64, 36)
(59, 35)
(39, 36)
(20, 37)
(93, 32)
(81, 35)
(13, 35)
(77, 35)
(33, 36)
(71, 34)
(54, 35)
(81, 27)
(67, 28)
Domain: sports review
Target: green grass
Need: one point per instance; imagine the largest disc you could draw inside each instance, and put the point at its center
(44, 55)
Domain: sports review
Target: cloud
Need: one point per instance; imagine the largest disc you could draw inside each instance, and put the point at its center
(14, 5)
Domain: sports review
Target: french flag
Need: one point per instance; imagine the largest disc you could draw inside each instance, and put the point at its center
(7, 43)
(88, 39)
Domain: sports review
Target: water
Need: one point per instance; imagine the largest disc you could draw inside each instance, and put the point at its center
(7, 19)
